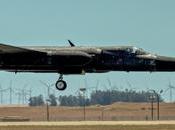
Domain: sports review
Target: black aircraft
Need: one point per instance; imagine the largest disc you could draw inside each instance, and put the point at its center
(80, 60)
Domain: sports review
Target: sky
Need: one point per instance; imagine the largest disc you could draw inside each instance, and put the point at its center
(149, 24)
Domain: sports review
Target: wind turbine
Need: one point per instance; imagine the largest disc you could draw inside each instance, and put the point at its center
(19, 94)
(23, 93)
(170, 89)
(83, 90)
(11, 91)
(130, 90)
(1, 93)
(96, 86)
(130, 86)
(92, 88)
(48, 86)
(112, 87)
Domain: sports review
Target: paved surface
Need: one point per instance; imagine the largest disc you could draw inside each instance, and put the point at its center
(89, 123)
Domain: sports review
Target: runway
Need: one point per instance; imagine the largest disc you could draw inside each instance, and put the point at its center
(85, 123)
(89, 125)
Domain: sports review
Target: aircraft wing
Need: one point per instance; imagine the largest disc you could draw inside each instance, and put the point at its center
(13, 49)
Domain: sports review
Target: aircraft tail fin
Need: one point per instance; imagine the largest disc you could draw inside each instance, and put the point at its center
(71, 44)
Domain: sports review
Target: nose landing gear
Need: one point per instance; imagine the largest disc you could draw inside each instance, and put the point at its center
(61, 84)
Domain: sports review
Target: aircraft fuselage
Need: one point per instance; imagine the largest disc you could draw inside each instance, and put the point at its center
(78, 60)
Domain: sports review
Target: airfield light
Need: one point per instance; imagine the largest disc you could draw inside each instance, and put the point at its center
(103, 113)
(152, 98)
(47, 109)
(158, 103)
(84, 102)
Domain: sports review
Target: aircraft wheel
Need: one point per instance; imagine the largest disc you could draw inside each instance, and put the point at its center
(61, 85)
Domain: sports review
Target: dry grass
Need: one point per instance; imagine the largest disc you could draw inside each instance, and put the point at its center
(117, 111)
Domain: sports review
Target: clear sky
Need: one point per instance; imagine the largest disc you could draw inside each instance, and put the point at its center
(149, 24)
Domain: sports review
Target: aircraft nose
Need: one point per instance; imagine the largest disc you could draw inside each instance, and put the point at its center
(164, 63)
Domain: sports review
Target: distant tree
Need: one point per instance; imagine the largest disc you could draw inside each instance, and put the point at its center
(36, 101)
(109, 97)
(73, 100)
(53, 100)
(106, 97)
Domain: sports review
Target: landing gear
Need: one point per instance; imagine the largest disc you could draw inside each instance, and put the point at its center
(61, 84)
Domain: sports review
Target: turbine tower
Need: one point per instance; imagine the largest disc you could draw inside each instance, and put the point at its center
(11, 91)
(22, 94)
(49, 88)
(1, 93)
(170, 89)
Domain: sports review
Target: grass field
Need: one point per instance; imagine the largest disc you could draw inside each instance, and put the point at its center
(115, 112)
(68, 118)
(93, 125)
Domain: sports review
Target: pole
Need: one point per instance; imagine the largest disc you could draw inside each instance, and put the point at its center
(171, 95)
(19, 98)
(48, 91)
(83, 90)
(10, 89)
(1, 93)
(84, 106)
(47, 107)
(158, 103)
(10, 95)
(158, 106)
(102, 115)
(152, 109)
(30, 93)
(23, 96)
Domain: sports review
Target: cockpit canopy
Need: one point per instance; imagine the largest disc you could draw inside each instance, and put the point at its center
(137, 51)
